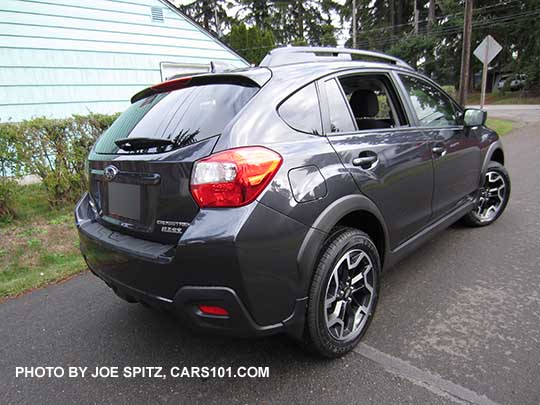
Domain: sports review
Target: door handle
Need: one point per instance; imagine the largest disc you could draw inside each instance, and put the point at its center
(366, 162)
(439, 150)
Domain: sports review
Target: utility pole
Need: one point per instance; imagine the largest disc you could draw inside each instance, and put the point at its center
(466, 53)
(431, 15)
(416, 17)
(354, 24)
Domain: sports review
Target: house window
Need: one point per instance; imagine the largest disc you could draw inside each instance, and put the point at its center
(157, 14)
(172, 70)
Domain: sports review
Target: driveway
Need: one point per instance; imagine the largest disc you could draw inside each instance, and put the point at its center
(521, 113)
(459, 321)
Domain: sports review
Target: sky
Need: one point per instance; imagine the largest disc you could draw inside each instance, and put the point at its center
(342, 35)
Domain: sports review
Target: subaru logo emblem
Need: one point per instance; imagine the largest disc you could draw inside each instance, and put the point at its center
(110, 173)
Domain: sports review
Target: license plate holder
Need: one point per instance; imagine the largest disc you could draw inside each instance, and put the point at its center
(124, 200)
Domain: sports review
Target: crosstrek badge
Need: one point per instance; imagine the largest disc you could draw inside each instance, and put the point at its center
(172, 226)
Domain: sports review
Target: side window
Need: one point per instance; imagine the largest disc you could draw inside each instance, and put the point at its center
(338, 112)
(433, 108)
(301, 110)
(373, 101)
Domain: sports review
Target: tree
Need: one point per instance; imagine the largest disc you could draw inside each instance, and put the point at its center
(292, 21)
(388, 26)
(251, 43)
(210, 14)
(384, 25)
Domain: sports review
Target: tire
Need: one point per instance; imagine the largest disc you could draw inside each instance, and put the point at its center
(346, 254)
(496, 176)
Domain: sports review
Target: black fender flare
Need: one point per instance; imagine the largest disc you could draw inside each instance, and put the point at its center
(487, 157)
(317, 234)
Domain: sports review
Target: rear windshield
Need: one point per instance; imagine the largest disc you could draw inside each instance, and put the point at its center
(175, 119)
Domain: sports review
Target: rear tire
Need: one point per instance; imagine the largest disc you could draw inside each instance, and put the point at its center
(343, 294)
(493, 198)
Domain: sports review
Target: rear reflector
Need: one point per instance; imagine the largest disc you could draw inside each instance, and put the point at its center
(213, 310)
(233, 177)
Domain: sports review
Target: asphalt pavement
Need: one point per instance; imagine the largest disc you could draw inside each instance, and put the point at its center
(458, 321)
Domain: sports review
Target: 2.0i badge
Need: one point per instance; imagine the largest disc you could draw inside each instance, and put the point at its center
(172, 226)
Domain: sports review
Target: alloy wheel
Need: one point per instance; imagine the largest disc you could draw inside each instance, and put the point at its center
(349, 295)
(492, 196)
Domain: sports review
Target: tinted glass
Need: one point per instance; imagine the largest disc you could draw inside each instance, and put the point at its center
(340, 118)
(182, 116)
(433, 108)
(301, 110)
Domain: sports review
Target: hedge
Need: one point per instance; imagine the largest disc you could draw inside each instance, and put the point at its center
(53, 149)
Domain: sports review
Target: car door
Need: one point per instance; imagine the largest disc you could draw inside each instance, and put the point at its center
(389, 159)
(457, 158)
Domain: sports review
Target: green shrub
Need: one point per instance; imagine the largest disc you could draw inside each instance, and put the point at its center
(8, 188)
(55, 150)
(451, 90)
(8, 169)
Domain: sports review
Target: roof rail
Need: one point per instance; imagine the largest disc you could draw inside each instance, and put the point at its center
(298, 54)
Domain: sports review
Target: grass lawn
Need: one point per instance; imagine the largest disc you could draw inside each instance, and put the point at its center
(39, 246)
(510, 97)
(502, 127)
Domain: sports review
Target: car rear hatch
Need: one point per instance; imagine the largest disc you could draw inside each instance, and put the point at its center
(140, 168)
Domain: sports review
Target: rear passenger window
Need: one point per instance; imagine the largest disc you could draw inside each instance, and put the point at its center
(301, 111)
(338, 111)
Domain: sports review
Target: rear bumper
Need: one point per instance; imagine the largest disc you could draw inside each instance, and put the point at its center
(224, 258)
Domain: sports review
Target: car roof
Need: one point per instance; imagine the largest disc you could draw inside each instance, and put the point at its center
(293, 76)
(318, 68)
(289, 76)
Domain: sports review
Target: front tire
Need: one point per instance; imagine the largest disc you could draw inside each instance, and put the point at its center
(493, 197)
(343, 294)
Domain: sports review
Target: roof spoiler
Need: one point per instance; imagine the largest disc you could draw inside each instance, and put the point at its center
(195, 80)
(299, 54)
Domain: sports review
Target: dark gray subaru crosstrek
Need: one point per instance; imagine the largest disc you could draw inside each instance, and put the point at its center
(270, 199)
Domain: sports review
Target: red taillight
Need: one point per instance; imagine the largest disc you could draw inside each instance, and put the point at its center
(234, 177)
(213, 310)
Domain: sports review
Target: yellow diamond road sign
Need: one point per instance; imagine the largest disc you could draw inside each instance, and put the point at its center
(487, 50)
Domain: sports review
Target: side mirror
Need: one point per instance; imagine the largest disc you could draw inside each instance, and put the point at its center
(473, 117)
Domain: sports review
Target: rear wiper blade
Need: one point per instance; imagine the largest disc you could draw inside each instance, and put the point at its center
(131, 144)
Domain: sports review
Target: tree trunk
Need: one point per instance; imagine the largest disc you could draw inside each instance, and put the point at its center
(431, 15)
(300, 20)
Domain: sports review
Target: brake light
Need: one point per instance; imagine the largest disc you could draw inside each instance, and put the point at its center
(213, 310)
(170, 85)
(234, 177)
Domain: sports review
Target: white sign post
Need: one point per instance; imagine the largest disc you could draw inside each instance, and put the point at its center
(486, 51)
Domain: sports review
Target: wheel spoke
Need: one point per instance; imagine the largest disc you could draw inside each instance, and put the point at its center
(355, 263)
(359, 315)
(500, 193)
(490, 210)
(336, 316)
(369, 287)
(357, 278)
(329, 301)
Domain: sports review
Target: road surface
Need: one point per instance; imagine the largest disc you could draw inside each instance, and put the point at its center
(459, 321)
